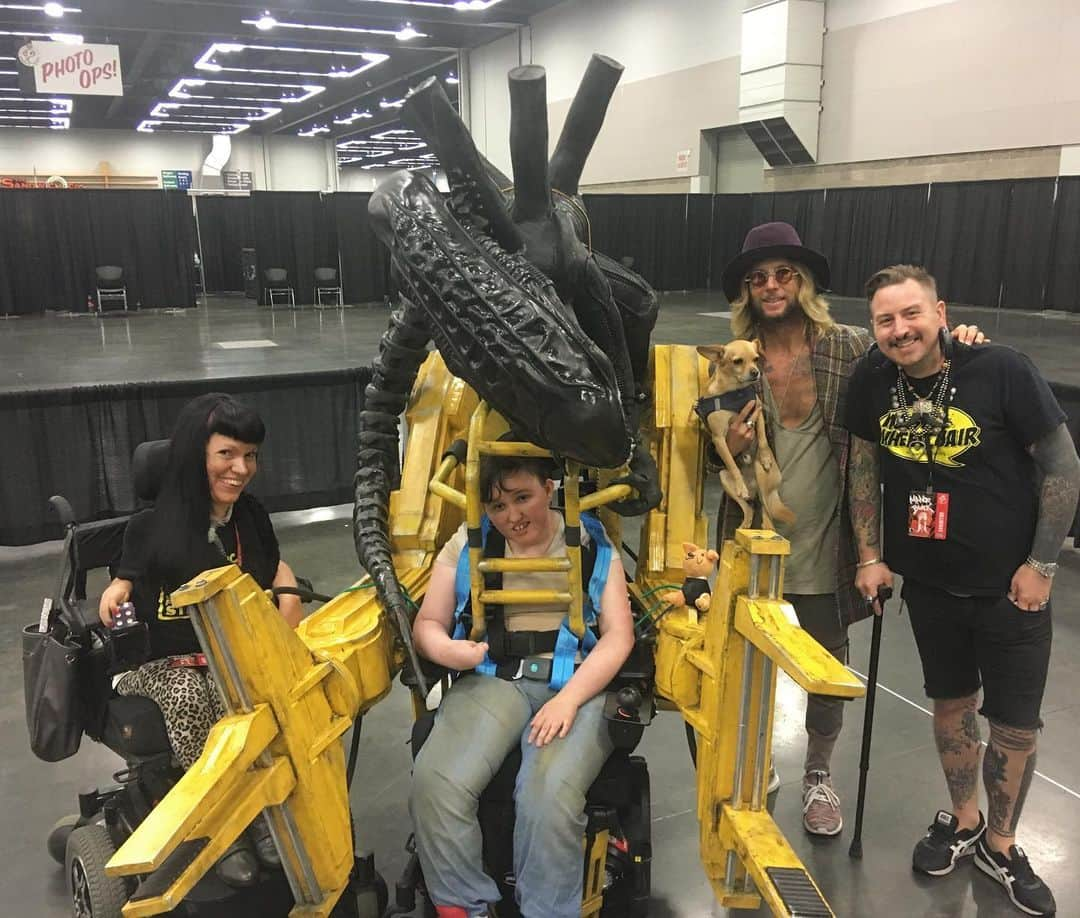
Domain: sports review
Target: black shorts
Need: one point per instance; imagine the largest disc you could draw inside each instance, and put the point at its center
(967, 641)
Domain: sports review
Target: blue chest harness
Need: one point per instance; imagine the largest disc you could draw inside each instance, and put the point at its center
(567, 644)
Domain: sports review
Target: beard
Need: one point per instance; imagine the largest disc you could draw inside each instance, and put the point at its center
(791, 309)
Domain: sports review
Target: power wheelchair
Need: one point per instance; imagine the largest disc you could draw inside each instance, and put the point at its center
(132, 726)
(617, 844)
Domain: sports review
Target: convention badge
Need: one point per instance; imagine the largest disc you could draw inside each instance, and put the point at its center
(920, 514)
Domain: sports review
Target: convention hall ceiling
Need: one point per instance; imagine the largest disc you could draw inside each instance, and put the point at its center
(331, 68)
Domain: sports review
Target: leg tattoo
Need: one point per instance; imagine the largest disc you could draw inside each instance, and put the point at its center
(956, 733)
(1008, 768)
(962, 782)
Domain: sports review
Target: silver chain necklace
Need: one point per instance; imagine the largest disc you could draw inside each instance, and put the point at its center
(925, 416)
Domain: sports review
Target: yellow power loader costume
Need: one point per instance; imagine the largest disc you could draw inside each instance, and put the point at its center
(292, 695)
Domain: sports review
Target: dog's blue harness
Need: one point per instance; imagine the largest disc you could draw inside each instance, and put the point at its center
(726, 401)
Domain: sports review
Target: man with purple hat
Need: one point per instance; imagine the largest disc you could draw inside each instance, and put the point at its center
(774, 287)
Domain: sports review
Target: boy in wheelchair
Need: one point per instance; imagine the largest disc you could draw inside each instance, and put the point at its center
(531, 684)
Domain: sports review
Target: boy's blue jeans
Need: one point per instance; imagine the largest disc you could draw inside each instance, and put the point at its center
(477, 725)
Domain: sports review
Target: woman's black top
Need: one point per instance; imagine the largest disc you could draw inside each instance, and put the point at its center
(248, 540)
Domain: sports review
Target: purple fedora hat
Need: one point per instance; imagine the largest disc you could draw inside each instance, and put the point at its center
(772, 240)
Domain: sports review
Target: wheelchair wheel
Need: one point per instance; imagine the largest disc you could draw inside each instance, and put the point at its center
(93, 894)
(58, 836)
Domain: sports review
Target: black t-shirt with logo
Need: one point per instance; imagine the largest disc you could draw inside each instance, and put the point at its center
(247, 539)
(1001, 405)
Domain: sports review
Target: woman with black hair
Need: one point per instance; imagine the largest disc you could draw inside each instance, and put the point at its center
(201, 519)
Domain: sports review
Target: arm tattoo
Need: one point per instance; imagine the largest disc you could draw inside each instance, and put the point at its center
(1056, 458)
(864, 493)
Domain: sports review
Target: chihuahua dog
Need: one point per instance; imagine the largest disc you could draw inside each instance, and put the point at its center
(733, 371)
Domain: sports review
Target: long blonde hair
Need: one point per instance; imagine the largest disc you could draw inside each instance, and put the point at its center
(814, 306)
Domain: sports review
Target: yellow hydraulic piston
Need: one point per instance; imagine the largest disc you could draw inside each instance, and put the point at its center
(721, 672)
(290, 695)
(719, 668)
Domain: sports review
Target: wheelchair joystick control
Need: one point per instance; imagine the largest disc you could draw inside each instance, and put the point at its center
(629, 700)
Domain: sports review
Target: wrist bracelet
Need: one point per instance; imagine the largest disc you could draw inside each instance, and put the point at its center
(1046, 568)
(868, 563)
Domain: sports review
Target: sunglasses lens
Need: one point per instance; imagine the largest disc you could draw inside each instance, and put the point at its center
(784, 275)
(757, 278)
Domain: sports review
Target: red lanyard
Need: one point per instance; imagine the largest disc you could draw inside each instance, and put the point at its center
(239, 547)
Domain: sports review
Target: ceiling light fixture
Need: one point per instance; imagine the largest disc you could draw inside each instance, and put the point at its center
(251, 112)
(407, 33)
(302, 91)
(35, 105)
(63, 37)
(394, 103)
(311, 132)
(55, 10)
(265, 22)
(367, 60)
(149, 126)
(355, 116)
(33, 116)
(444, 5)
(352, 30)
(451, 80)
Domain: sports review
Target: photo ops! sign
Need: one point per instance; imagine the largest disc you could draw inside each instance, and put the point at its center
(92, 70)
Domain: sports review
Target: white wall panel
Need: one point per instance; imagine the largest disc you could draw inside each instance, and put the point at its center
(649, 37)
(842, 14)
(296, 163)
(957, 77)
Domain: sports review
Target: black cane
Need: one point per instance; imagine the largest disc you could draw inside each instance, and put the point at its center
(883, 596)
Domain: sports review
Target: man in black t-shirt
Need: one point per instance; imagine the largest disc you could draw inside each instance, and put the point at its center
(980, 485)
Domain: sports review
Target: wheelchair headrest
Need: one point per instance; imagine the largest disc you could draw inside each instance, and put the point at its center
(148, 467)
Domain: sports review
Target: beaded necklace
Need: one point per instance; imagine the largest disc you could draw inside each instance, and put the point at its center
(926, 415)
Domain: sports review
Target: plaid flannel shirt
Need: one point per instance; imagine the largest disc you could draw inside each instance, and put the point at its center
(832, 357)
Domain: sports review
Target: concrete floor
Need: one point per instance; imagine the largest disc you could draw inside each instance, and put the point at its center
(232, 337)
(906, 786)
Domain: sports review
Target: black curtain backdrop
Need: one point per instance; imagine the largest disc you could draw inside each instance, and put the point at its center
(965, 239)
(1010, 243)
(802, 209)
(869, 228)
(293, 231)
(699, 209)
(53, 239)
(365, 262)
(1063, 279)
(1029, 231)
(731, 219)
(226, 227)
(649, 228)
(78, 443)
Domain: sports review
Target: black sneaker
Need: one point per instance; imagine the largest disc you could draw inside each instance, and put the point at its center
(936, 854)
(1028, 893)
